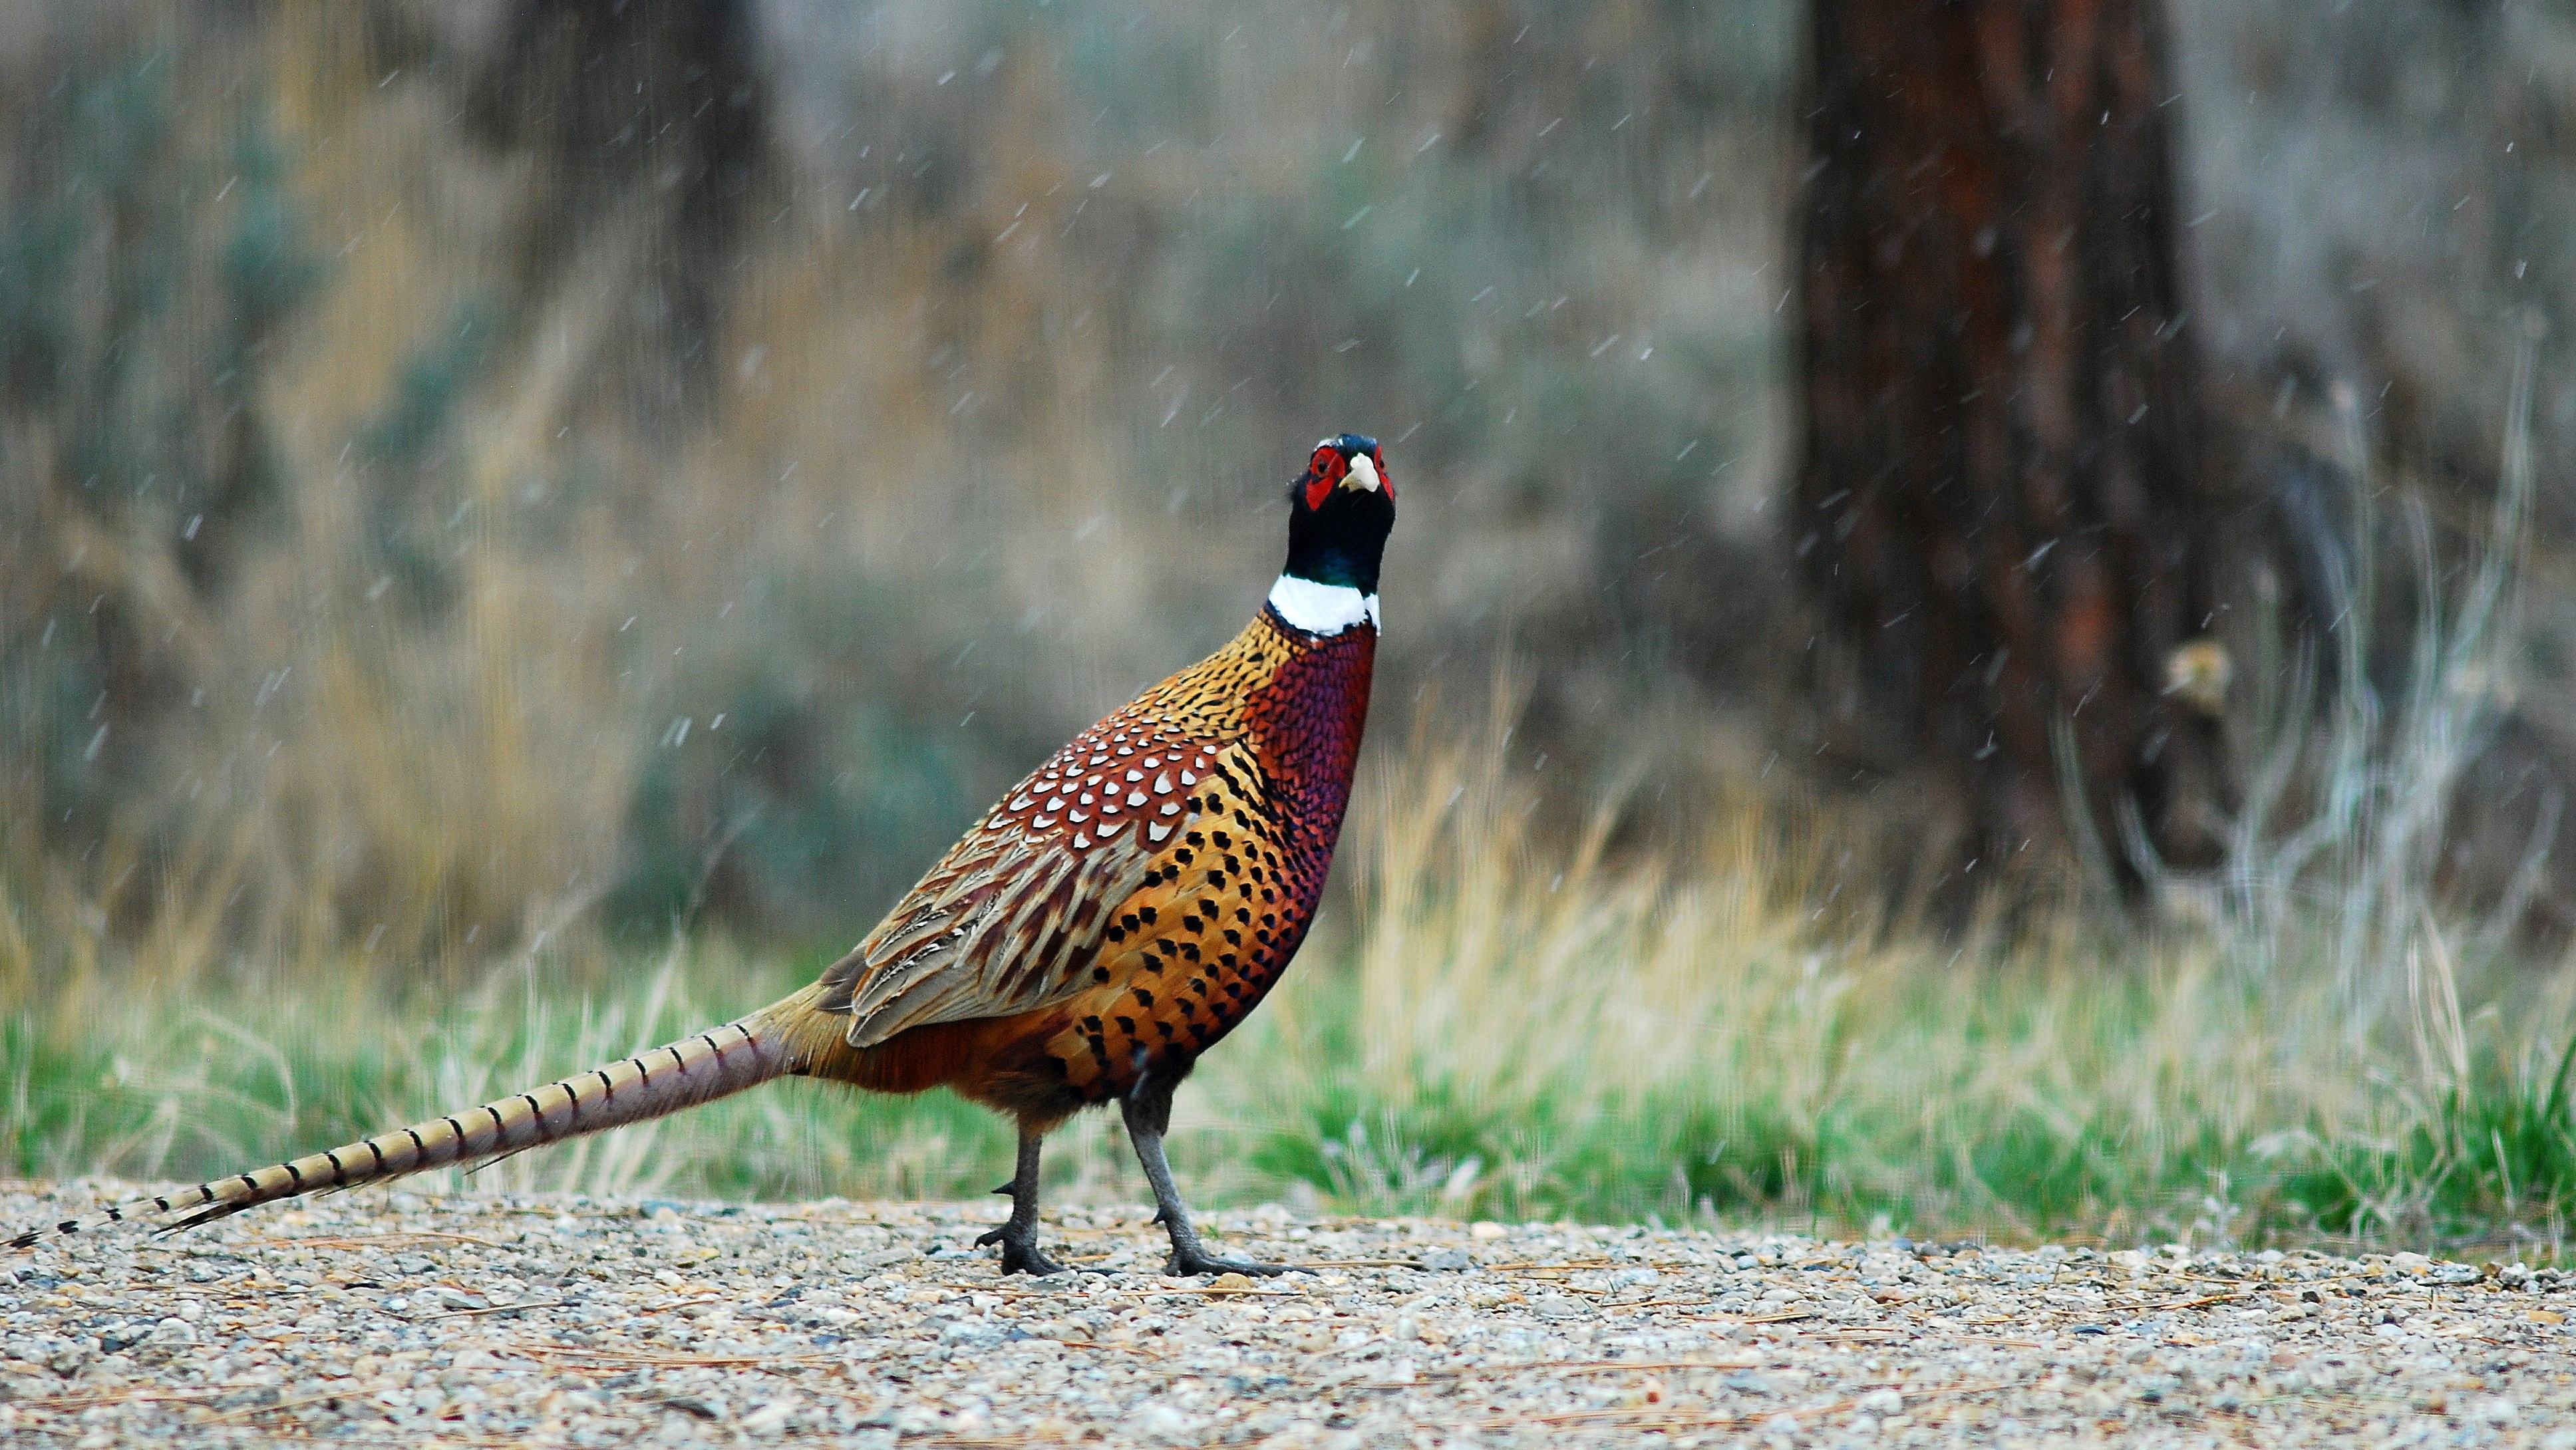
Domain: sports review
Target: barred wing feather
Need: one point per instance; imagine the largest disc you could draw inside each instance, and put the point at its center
(1010, 919)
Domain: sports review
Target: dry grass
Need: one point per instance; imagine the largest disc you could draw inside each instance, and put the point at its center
(1502, 1022)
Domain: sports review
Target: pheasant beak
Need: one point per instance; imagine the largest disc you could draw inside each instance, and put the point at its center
(1363, 474)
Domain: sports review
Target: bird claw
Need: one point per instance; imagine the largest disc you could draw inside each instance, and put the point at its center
(1191, 1262)
(1020, 1253)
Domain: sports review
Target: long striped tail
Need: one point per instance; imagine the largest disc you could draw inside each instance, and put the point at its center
(712, 1064)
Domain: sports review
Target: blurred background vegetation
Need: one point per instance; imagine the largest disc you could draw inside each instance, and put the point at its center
(508, 505)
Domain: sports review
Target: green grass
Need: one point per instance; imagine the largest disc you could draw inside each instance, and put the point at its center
(199, 1083)
(1912, 1134)
(1493, 1027)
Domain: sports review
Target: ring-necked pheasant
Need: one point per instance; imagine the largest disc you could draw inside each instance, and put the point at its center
(1112, 918)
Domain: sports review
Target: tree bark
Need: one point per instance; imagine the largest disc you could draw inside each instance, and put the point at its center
(2000, 505)
(636, 111)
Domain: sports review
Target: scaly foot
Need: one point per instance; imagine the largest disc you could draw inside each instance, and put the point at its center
(1020, 1252)
(1191, 1259)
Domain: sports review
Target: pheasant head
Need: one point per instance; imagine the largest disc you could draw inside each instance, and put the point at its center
(1339, 512)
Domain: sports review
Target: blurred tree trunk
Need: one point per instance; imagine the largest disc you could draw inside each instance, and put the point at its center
(644, 121)
(2000, 505)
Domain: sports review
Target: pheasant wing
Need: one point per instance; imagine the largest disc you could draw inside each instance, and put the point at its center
(1013, 914)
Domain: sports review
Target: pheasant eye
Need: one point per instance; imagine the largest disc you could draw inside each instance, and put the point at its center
(1326, 469)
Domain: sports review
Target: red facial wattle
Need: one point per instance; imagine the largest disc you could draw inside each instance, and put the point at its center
(1324, 472)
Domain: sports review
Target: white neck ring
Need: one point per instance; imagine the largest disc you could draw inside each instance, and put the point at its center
(1321, 608)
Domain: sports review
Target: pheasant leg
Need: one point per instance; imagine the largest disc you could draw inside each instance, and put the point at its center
(1148, 1110)
(1018, 1234)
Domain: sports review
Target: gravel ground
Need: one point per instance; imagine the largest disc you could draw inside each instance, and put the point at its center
(382, 1318)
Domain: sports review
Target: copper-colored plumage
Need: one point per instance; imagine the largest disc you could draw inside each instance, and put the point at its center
(1125, 904)
(1113, 916)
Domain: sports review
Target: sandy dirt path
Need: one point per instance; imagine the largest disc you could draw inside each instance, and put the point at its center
(393, 1317)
